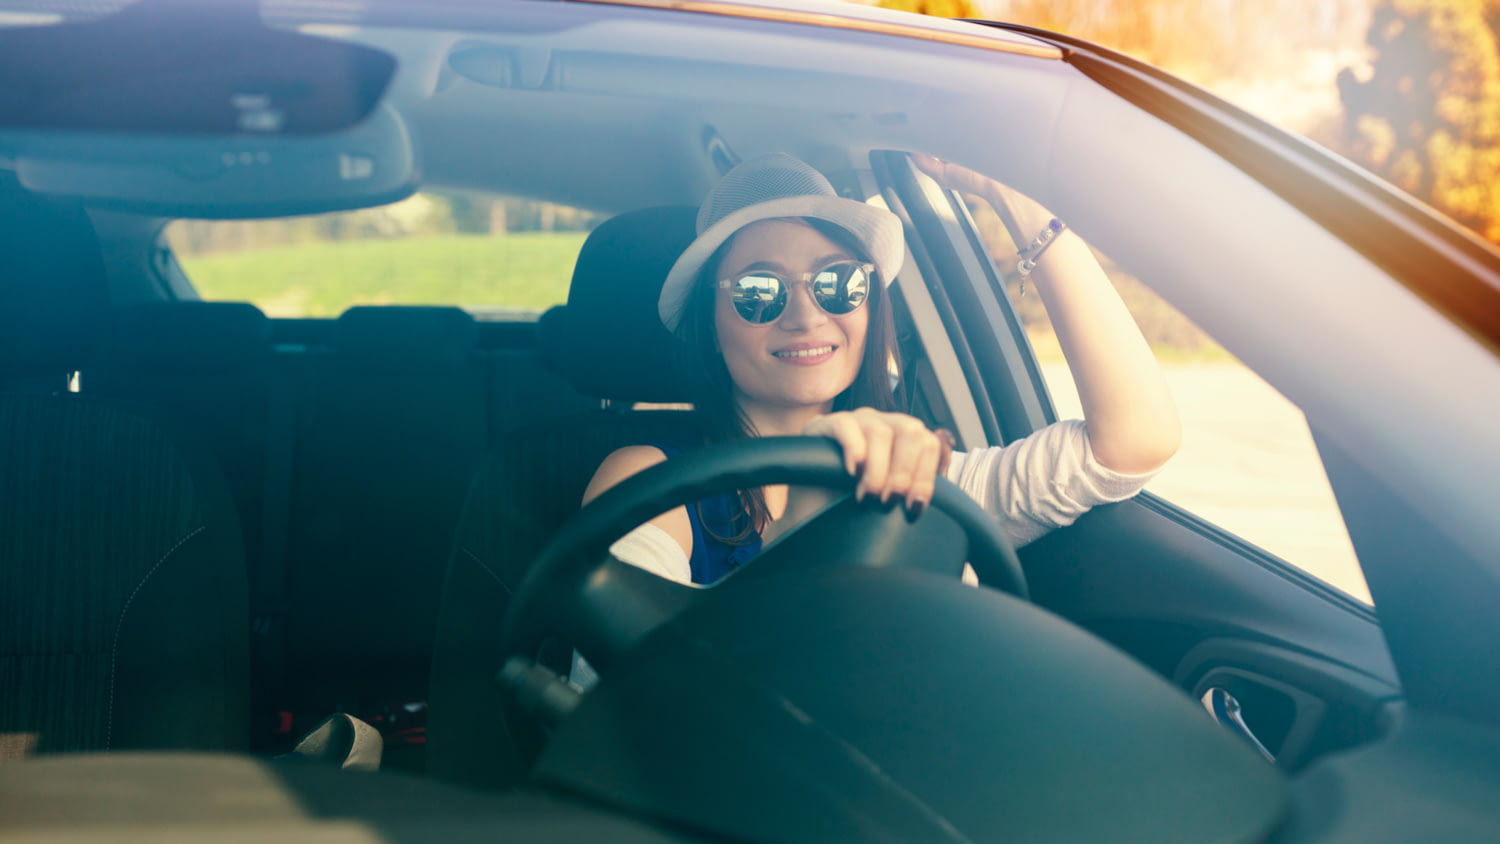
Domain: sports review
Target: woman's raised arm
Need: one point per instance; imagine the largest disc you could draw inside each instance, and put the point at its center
(1131, 418)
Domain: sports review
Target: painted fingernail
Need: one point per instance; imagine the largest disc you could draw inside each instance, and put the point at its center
(916, 508)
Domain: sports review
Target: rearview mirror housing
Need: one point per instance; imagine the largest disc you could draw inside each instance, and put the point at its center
(221, 177)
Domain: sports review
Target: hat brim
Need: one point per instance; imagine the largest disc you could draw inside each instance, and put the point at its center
(876, 228)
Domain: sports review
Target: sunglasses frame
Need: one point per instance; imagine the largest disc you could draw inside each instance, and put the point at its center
(803, 279)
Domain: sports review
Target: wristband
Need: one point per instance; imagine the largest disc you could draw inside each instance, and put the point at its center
(1033, 251)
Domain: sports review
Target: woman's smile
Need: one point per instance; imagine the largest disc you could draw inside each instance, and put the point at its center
(806, 354)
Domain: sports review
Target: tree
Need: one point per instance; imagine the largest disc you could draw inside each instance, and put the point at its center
(1426, 114)
(469, 212)
(936, 8)
(1205, 41)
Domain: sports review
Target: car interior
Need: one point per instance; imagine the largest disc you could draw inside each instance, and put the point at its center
(219, 527)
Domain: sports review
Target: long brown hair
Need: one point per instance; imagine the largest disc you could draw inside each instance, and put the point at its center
(701, 368)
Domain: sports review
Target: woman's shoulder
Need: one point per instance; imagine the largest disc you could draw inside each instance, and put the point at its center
(629, 460)
(622, 463)
(638, 456)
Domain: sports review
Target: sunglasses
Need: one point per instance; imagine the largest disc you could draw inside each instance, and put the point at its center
(760, 296)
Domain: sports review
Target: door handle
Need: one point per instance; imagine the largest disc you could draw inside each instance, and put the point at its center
(1226, 710)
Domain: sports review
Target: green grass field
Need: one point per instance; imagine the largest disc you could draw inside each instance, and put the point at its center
(523, 270)
(528, 270)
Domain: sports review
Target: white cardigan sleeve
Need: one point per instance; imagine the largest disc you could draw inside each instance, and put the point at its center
(653, 549)
(1044, 481)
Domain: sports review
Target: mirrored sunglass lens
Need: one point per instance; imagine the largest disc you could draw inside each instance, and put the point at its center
(841, 289)
(758, 298)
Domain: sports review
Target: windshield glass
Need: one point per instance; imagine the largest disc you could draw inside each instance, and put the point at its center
(500, 141)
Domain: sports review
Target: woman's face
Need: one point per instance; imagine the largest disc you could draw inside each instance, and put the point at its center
(806, 357)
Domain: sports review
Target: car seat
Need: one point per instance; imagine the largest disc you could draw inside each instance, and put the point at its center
(607, 342)
(123, 617)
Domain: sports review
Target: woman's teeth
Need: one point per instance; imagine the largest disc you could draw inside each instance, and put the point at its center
(804, 353)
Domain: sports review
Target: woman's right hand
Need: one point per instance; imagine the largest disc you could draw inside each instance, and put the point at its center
(892, 454)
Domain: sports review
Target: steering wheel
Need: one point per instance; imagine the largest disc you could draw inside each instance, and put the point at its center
(579, 591)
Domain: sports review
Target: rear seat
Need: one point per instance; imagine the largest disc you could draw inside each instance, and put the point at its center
(349, 446)
(390, 425)
(523, 389)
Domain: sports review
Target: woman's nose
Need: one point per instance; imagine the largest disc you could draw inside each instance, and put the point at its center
(802, 311)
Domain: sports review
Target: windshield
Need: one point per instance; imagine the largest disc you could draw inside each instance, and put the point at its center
(415, 275)
(501, 141)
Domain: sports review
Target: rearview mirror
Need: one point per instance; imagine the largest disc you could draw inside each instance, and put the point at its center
(373, 163)
(181, 66)
(188, 109)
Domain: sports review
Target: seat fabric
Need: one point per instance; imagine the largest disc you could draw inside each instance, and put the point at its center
(606, 342)
(506, 524)
(205, 366)
(123, 618)
(123, 614)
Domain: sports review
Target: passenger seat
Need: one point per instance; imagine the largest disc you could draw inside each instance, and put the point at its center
(206, 369)
(123, 617)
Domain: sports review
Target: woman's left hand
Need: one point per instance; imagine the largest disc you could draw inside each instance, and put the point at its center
(890, 453)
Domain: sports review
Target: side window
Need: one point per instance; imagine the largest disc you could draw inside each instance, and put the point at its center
(499, 257)
(1247, 462)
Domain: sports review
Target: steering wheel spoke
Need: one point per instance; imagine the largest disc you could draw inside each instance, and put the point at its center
(618, 604)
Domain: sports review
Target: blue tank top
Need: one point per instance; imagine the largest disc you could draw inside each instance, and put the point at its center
(712, 517)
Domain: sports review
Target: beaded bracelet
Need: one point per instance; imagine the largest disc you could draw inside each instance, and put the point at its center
(1033, 251)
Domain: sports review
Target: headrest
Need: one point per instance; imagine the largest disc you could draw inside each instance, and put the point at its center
(54, 296)
(404, 339)
(191, 338)
(608, 341)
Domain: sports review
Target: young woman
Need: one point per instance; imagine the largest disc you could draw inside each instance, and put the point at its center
(780, 309)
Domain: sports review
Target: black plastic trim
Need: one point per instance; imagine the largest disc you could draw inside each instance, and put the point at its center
(1255, 554)
(1022, 350)
(974, 374)
(985, 359)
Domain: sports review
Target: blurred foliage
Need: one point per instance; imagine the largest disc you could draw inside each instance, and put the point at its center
(935, 8)
(428, 213)
(1426, 113)
(526, 270)
(1200, 40)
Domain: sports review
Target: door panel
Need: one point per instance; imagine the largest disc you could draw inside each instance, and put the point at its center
(1308, 665)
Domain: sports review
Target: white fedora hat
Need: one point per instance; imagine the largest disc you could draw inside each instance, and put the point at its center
(767, 188)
